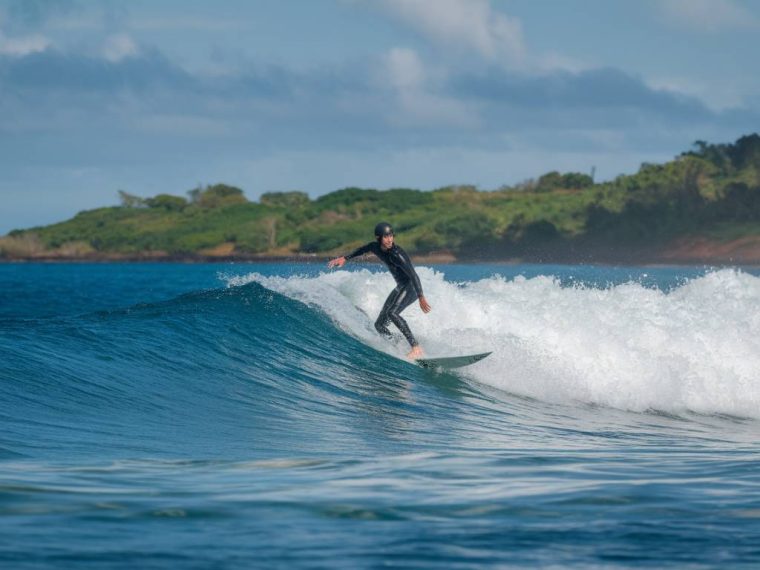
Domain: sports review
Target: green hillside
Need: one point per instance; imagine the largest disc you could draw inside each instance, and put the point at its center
(712, 191)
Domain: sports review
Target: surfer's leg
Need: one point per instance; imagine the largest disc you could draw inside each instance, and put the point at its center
(381, 324)
(406, 297)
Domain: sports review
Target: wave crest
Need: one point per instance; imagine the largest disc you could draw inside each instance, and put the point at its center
(695, 347)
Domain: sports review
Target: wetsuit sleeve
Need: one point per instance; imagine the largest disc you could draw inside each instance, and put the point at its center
(359, 251)
(405, 264)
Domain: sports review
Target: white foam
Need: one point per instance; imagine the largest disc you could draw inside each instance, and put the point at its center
(696, 347)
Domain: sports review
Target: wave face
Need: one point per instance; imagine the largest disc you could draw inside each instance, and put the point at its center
(210, 374)
(227, 416)
(695, 347)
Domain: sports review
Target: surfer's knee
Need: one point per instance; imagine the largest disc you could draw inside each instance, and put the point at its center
(396, 319)
(382, 327)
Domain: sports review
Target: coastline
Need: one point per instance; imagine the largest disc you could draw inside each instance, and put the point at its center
(694, 252)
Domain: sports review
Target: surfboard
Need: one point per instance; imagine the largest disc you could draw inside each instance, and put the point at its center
(449, 362)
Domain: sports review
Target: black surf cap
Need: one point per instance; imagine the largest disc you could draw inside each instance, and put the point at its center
(383, 229)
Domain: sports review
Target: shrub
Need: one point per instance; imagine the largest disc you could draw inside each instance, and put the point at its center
(167, 202)
(285, 199)
(217, 195)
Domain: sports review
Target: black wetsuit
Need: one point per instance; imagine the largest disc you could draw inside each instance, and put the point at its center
(408, 288)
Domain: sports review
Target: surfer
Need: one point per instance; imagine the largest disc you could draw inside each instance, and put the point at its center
(408, 287)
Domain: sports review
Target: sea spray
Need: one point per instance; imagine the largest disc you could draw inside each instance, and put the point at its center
(695, 347)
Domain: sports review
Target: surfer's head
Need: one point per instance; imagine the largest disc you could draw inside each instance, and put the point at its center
(384, 234)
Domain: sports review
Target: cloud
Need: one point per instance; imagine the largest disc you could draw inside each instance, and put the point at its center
(405, 70)
(591, 98)
(419, 104)
(52, 72)
(466, 25)
(474, 27)
(717, 95)
(138, 101)
(118, 47)
(22, 46)
(709, 15)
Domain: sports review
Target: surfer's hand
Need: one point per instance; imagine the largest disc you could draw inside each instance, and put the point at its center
(424, 305)
(338, 261)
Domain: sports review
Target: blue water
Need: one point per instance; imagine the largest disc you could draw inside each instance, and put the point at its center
(241, 415)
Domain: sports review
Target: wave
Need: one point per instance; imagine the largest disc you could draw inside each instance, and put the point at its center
(268, 364)
(205, 373)
(695, 347)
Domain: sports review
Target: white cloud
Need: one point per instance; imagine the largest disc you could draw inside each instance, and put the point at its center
(560, 62)
(709, 15)
(405, 69)
(118, 47)
(414, 87)
(464, 24)
(23, 46)
(718, 96)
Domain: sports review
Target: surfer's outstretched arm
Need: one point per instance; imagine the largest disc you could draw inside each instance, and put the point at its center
(341, 261)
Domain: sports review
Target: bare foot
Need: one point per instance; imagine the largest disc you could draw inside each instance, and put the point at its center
(415, 353)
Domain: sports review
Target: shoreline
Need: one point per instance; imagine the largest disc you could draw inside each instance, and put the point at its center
(637, 260)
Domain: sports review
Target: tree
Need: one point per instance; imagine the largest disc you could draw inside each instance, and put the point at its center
(576, 181)
(548, 182)
(540, 231)
(347, 197)
(285, 199)
(167, 202)
(195, 194)
(130, 200)
(738, 203)
(745, 152)
(217, 195)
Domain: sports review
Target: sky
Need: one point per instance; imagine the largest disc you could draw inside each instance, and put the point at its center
(161, 96)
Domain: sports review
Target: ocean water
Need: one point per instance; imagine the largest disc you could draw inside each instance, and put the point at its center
(248, 415)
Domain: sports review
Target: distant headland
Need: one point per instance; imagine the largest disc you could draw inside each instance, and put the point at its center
(701, 207)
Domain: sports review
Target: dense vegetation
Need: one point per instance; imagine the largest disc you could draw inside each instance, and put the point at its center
(712, 190)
